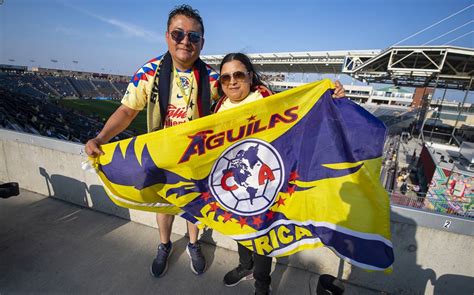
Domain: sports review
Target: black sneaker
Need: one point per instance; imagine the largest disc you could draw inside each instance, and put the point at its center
(198, 263)
(327, 284)
(237, 275)
(160, 263)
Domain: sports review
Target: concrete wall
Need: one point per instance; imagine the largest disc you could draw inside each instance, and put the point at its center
(428, 257)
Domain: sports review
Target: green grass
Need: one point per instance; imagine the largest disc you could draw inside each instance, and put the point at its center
(104, 108)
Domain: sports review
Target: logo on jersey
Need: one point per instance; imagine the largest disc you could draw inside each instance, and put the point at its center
(247, 177)
(185, 82)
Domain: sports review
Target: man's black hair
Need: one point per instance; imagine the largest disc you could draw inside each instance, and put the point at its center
(187, 11)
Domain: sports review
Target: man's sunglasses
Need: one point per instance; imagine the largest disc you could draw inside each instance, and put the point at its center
(193, 37)
(238, 76)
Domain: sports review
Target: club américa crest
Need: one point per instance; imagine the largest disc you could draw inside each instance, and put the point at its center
(247, 177)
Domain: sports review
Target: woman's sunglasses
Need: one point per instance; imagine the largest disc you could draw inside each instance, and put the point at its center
(238, 76)
(193, 37)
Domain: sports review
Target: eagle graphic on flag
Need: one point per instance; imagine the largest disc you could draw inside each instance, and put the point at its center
(294, 171)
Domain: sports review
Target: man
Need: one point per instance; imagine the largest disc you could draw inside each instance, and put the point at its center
(176, 88)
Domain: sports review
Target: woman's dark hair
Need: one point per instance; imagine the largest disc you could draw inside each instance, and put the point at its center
(245, 60)
(188, 11)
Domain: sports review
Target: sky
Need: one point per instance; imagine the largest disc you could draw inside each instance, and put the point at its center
(118, 36)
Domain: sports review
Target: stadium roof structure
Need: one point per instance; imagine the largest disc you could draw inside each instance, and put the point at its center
(430, 66)
(7, 68)
(396, 89)
(323, 62)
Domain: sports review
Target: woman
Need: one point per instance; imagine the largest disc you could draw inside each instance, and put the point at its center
(241, 84)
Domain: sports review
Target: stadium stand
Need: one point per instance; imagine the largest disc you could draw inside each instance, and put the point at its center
(27, 113)
(58, 83)
(39, 84)
(120, 86)
(21, 83)
(84, 87)
(107, 89)
(25, 103)
(61, 85)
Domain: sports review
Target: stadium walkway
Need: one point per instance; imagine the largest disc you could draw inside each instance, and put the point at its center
(50, 246)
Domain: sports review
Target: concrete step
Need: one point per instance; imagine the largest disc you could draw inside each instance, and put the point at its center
(51, 246)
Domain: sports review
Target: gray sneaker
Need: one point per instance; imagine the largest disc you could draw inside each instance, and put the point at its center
(198, 263)
(160, 263)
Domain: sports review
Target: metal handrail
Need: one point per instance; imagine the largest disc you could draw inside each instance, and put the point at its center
(439, 204)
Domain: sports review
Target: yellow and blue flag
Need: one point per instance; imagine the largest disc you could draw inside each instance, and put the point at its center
(294, 171)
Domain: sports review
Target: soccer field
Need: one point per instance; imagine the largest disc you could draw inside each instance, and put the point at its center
(104, 108)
